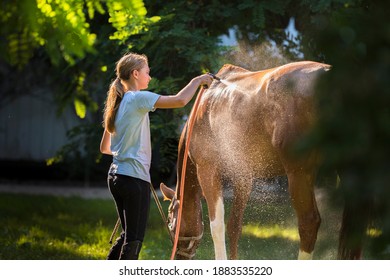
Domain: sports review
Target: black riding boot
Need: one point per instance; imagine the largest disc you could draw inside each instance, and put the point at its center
(116, 249)
(130, 250)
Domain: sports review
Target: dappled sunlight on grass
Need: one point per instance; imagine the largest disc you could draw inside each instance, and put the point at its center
(31, 235)
(92, 251)
(52, 228)
(157, 246)
(85, 241)
(270, 232)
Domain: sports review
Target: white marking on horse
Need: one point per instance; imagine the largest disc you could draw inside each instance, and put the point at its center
(217, 227)
(305, 256)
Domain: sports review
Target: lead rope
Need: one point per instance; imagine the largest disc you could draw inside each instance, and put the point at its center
(164, 218)
(190, 124)
(118, 221)
(161, 211)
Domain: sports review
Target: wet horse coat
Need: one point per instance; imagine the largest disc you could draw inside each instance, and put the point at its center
(244, 129)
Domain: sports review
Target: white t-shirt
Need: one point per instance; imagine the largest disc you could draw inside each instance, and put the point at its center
(130, 144)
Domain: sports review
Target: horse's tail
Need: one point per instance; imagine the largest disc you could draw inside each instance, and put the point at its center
(356, 217)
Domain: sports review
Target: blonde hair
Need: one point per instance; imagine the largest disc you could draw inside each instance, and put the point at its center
(124, 68)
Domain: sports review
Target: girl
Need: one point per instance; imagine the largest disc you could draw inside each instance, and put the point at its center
(127, 138)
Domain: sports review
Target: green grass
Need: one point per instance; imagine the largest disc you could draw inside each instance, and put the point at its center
(47, 227)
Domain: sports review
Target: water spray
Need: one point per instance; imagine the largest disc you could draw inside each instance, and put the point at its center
(214, 77)
(230, 85)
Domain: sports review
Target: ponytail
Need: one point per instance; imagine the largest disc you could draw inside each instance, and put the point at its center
(124, 67)
(114, 98)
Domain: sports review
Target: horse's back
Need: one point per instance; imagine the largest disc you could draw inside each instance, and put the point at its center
(302, 74)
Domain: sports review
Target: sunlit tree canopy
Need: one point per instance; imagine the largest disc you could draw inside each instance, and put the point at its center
(62, 27)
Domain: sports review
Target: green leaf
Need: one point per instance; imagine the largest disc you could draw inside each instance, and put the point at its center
(80, 107)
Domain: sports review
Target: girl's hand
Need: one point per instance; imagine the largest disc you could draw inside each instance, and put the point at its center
(205, 80)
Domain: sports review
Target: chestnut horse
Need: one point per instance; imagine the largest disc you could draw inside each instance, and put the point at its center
(244, 129)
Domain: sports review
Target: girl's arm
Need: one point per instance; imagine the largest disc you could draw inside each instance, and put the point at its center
(185, 95)
(105, 143)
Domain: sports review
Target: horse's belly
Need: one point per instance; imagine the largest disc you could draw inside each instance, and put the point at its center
(239, 147)
(250, 158)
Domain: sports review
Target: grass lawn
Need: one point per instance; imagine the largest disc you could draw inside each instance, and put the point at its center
(47, 227)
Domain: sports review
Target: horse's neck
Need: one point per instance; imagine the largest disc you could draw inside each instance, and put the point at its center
(189, 191)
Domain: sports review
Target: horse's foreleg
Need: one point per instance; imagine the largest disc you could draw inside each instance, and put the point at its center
(212, 191)
(304, 203)
(236, 217)
(217, 228)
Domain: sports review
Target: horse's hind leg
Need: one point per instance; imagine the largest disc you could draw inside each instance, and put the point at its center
(301, 188)
(241, 195)
(212, 189)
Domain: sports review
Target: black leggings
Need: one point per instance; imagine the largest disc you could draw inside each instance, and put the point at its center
(132, 199)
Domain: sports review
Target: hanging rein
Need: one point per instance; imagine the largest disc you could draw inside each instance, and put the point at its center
(190, 124)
